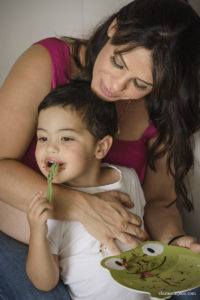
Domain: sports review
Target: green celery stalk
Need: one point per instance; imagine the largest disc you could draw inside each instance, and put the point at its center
(52, 173)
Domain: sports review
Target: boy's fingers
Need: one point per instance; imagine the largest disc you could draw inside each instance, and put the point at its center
(39, 205)
(43, 206)
(35, 199)
(44, 215)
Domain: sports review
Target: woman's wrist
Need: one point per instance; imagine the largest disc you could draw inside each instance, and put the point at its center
(175, 238)
(69, 204)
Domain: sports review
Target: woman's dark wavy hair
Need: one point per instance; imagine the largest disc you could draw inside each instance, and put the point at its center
(170, 29)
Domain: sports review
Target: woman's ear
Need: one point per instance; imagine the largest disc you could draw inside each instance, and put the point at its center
(103, 147)
(112, 28)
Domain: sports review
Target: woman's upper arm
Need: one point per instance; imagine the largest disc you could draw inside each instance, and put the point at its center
(159, 185)
(162, 220)
(24, 88)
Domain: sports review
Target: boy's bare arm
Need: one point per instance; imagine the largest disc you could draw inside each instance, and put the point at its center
(42, 267)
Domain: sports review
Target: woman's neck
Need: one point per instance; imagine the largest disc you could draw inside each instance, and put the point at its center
(133, 119)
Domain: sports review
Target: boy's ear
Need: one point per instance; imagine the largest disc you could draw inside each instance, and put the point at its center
(112, 28)
(103, 147)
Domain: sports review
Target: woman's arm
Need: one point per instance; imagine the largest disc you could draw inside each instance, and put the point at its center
(25, 87)
(159, 193)
(104, 215)
(163, 220)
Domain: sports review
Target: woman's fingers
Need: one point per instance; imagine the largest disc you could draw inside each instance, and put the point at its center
(195, 247)
(125, 218)
(135, 231)
(112, 246)
(188, 242)
(115, 214)
(120, 197)
(126, 242)
(123, 243)
(108, 221)
(134, 219)
(130, 229)
(123, 198)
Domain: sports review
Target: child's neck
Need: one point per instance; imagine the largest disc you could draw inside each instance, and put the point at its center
(103, 175)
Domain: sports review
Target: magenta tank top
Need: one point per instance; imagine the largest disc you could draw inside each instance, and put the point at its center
(132, 154)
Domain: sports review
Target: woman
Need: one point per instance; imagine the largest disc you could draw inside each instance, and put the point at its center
(146, 54)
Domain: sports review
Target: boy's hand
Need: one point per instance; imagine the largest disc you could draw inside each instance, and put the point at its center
(37, 214)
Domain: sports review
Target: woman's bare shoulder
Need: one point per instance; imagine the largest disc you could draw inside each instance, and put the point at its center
(26, 85)
(32, 69)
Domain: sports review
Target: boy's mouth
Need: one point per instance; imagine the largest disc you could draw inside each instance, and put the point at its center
(49, 163)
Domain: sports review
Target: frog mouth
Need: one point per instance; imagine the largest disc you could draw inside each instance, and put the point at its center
(152, 269)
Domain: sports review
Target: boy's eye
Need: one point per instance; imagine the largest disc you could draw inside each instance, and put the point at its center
(42, 139)
(66, 139)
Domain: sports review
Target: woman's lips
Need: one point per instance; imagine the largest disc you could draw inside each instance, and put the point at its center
(105, 91)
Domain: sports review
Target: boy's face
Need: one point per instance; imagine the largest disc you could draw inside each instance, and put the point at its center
(64, 138)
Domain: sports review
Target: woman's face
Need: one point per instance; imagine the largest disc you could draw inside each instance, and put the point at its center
(122, 76)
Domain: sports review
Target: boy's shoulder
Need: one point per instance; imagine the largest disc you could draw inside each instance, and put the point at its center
(124, 171)
(126, 174)
(129, 183)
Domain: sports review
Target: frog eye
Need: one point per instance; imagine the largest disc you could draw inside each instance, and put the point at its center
(114, 263)
(152, 249)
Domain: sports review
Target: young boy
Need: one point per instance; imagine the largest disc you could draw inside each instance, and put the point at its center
(76, 129)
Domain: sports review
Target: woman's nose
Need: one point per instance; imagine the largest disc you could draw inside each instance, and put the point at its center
(118, 84)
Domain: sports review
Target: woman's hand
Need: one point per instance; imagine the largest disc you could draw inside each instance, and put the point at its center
(187, 242)
(107, 219)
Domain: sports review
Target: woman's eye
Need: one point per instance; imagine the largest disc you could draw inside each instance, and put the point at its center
(115, 63)
(139, 86)
(66, 139)
(42, 139)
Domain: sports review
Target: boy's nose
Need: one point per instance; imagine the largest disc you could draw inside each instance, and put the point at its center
(52, 147)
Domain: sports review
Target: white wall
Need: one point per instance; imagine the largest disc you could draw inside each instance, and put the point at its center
(23, 22)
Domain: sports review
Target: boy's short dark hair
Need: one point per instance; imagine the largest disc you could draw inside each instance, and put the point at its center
(99, 116)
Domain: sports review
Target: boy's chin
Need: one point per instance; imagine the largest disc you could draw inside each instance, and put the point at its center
(56, 181)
